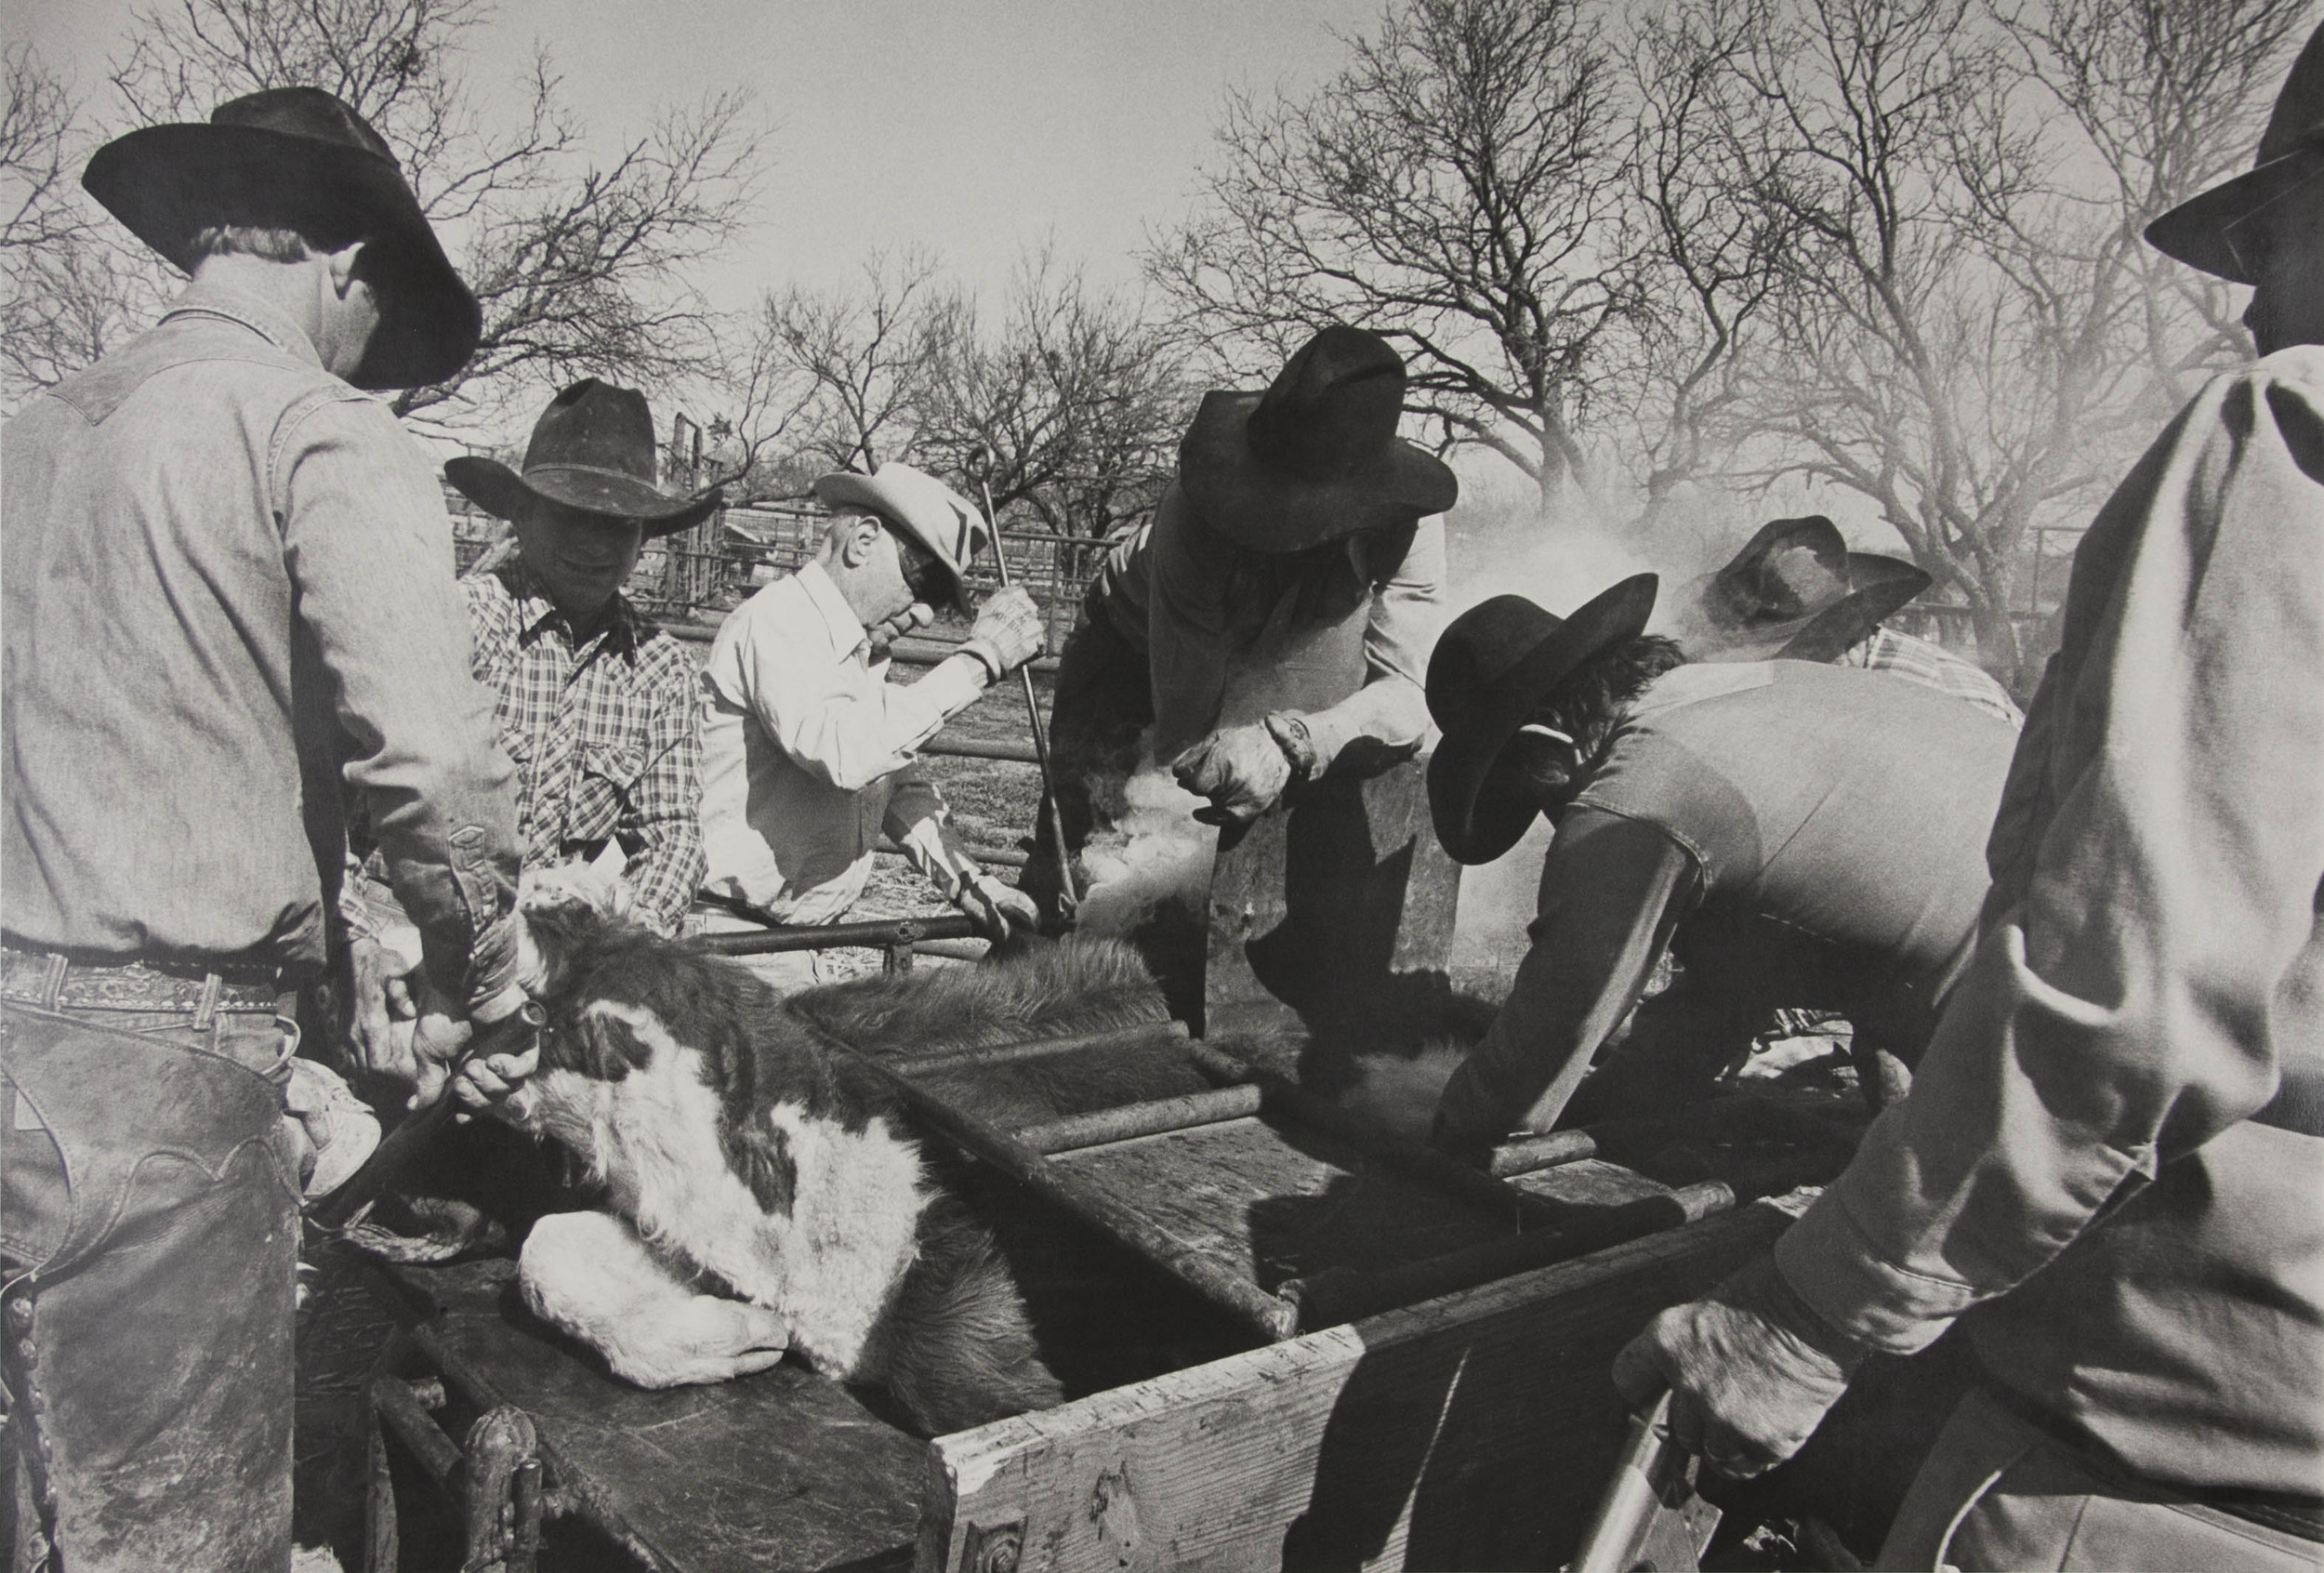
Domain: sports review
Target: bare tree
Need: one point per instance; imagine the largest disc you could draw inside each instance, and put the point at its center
(1970, 327)
(1708, 276)
(1461, 188)
(579, 261)
(866, 359)
(1076, 406)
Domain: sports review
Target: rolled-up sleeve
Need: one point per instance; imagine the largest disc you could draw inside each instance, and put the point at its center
(2157, 866)
(369, 548)
(1390, 708)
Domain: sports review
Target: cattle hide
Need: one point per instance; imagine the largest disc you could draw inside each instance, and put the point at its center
(747, 1158)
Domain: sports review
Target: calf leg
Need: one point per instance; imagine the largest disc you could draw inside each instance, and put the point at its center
(588, 1275)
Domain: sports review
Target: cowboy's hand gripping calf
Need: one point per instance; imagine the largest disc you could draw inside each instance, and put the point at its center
(763, 1194)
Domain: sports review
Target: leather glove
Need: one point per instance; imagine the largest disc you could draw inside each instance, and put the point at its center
(1008, 632)
(1752, 1370)
(1242, 770)
(995, 907)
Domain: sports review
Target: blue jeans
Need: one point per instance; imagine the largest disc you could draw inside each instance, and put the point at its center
(149, 1234)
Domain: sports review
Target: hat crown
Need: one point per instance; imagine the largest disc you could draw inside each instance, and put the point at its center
(594, 425)
(2298, 117)
(1475, 649)
(1788, 568)
(1333, 408)
(303, 111)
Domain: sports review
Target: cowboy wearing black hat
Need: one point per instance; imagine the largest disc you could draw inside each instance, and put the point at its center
(1271, 620)
(226, 580)
(1796, 592)
(2109, 1171)
(1791, 834)
(596, 703)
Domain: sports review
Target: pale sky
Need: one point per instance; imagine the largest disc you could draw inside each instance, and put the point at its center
(974, 128)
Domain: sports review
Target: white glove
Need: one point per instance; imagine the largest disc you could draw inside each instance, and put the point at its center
(1008, 632)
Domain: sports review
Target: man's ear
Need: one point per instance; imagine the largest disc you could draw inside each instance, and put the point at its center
(857, 544)
(344, 275)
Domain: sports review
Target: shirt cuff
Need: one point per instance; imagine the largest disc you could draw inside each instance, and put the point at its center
(1834, 1268)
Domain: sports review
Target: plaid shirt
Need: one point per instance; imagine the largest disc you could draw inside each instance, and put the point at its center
(1918, 660)
(604, 736)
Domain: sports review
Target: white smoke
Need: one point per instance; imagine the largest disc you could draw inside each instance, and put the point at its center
(1154, 855)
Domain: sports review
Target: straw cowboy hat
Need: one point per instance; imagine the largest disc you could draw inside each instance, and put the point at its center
(2196, 231)
(1490, 671)
(1793, 591)
(922, 506)
(1314, 456)
(592, 449)
(298, 156)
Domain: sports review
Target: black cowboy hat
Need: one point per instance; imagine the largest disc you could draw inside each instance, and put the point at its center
(2196, 230)
(1314, 456)
(298, 157)
(592, 449)
(1492, 669)
(1793, 589)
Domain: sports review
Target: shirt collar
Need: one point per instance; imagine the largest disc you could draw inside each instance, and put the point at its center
(212, 299)
(839, 620)
(538, 613)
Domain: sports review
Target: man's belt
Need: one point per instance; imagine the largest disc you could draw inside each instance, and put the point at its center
(51, 981)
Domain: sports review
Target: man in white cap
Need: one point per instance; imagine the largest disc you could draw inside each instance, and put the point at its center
(2108, 1169)
(809, 750)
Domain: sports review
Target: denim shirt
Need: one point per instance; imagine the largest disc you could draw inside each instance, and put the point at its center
(224, 572)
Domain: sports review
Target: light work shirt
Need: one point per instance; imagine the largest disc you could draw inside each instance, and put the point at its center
(808, 751)
(2111, 1167)
(1228, 637)
(1796, 833)
(225, 572)
(1933, 666)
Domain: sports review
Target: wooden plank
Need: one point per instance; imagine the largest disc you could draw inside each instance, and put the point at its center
(1471, 1432)
(1143, 1035)
(1153, 1117)
(1273, 1206)
(1342, 883)
(782, 1470)
(1120, 1218)
(1343, 1294)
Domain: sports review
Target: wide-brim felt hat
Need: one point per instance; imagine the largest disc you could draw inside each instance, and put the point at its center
(592, 449)
(1793, 587)
(1316, 454)
(1492, 669)
(298, 155)
(2196, 230)
(939, 518)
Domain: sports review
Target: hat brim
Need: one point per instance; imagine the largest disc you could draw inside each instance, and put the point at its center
(2195, 232)
(493, 486)
(165, 182)
(1477, 813)
(1885, 585)
(1257, 506)
(850, 486)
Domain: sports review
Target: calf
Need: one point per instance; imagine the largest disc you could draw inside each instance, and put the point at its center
(746, 1163)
